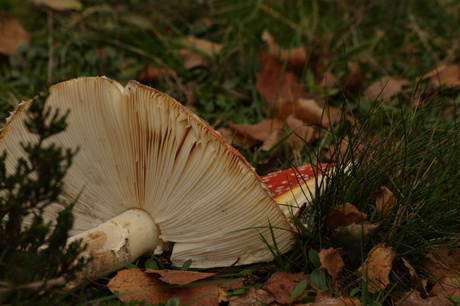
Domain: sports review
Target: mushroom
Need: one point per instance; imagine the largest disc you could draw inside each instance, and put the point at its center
(150, 175)
(294, 188)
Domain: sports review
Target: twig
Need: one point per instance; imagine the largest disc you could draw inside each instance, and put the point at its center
(59, 281)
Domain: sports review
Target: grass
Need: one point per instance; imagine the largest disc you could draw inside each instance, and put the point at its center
(411, 148)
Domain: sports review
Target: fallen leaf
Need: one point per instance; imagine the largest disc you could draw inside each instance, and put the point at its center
(326, 79)
(384, 202)
(337, 301)
(273, 140)
(153, 74)
(354, 235)
(253, 297)
(377, 266)
(175, 277)
(385, 88)
(281, 284)
(344, 215)
(203, 45)
(60, 5)
(302, 133)
(296, 58)
(192, 59)
(448, 287)
(449, 76)
(309, 111)
(332, 261)
(442, 264)
(12, 34)
(137, 285)
(278, 87)
(134, 284)
(259, 131)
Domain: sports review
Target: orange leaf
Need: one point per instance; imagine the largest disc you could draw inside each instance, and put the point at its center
(175, 277)
(134, 284)
(12, 34)
(377, 266)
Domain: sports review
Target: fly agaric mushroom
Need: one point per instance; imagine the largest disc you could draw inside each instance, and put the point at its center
(150, 175)
(294, 188)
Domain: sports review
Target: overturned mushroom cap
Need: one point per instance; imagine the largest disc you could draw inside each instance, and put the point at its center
(294, 189)
(144, 153)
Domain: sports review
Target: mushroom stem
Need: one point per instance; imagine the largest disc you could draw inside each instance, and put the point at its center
(120, 240)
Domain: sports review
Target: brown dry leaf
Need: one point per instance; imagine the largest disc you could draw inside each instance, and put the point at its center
(12, 34)
(448, 287)
(326, 79)
(281, 284)
(354, 235)
(192, 55)
(296, 57)
(192, 59)
(153, 74)
(354, 79)
(278, 87)
(308, 111)
(135, 284)
(203, 45)
(259, 131)
(175, 277)
(302, 133)
(384, 202)
(332, 261)
(253, 297)
(442, 264)
(377, 266)
(60, 5)
(385, 88)
(449, 76)
(272, 140)
(339, 301)
(344, 215)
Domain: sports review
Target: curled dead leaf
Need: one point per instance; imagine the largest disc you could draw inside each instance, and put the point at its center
(377, 267)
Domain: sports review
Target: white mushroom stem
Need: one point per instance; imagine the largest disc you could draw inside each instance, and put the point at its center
(120, 240)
